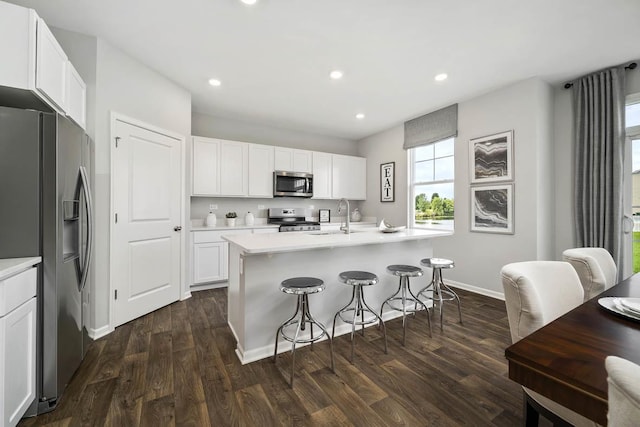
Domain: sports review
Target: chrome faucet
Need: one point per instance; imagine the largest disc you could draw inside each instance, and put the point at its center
(346, 227)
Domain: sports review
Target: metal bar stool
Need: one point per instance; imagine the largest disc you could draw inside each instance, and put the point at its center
(358, 279)
(437, 287)
(302, 287)
(410, 302)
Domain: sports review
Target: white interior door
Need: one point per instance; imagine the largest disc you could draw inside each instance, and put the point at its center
(146, 247)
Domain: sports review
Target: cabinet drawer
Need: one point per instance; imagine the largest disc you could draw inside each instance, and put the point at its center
(17, 289)
(216, 236)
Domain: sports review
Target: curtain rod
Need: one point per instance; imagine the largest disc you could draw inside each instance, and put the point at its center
(631, 66)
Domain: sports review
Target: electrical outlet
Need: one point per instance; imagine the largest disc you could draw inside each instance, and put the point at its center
(213, 207)
(260, 206)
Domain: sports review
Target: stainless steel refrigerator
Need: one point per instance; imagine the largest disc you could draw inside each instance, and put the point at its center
(46, 209)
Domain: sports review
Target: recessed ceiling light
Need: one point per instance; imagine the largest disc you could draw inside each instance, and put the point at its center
(249, 2)
(360, 116)
(336, 74)
(441, 77)
(215, 82)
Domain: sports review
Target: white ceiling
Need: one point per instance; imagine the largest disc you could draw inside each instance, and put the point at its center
(274, 58)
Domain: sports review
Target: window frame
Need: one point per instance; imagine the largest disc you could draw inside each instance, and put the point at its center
(411, 186)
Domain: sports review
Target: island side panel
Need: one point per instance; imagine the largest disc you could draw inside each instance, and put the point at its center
(266, 307)
(235, 302)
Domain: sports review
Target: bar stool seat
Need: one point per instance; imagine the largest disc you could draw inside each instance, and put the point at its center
(439, 291)
(302, 287)
(408, 303)
(358, 279)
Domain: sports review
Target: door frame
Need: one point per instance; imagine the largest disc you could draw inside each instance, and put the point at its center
(115, 117)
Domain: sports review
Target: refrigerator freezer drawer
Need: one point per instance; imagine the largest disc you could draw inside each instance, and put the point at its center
(17, 289)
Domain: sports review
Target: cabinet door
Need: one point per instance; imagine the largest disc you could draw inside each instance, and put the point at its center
(292, 160)
(283, 159)
(302, 161)
(233, 168)
(76, 96)
(210, 262)
(348, 177)
(18, 357)
(18, 46)
(51, 67)
(206, 166)
(358, 186)
(322, 181)
(260, 170)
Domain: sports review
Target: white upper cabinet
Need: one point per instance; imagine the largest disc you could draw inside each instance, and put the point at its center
(18, 47)
(322, 175)
(76, 96)
(32, 59)
(51, 67)
(292, 160)
(206, 166)
(220, 167)
(349, 175)
(261, 170)
(224, 168)
(234, 166)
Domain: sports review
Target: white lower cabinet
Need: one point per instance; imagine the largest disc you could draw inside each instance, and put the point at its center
(209, 262)
(211, 255)
(17, 345)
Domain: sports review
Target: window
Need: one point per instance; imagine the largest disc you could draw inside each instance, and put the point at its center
(431, 185)
(632, 122)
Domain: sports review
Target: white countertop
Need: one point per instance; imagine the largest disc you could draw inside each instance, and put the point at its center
(10, 266)
(223, 227)
(294, 241)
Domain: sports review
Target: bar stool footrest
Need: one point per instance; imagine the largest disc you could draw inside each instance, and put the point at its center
(350, 321)
(410, 305)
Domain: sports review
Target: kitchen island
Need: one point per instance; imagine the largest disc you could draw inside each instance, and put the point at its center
(259, 262)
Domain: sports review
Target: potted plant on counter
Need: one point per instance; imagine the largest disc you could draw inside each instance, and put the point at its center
(231, 219)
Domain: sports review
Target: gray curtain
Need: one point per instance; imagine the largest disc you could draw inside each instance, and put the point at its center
(599, 101)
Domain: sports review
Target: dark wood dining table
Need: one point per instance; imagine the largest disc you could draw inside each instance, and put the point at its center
(564, 360)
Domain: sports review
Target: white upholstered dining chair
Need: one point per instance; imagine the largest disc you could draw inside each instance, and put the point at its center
(624, 392)
(537, 292)
(595, 267)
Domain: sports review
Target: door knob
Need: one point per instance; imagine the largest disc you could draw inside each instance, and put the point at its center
(177, 228)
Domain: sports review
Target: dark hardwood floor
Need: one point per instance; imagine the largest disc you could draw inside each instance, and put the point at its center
(177, 366)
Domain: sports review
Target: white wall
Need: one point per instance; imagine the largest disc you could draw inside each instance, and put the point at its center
(121, 84)
(237, 130)
(385, 147)
(525, 108)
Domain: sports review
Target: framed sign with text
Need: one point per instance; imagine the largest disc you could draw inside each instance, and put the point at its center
(387, 185)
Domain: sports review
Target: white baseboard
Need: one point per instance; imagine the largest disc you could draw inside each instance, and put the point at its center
(94, 334)
(475, 289)
(205, 286)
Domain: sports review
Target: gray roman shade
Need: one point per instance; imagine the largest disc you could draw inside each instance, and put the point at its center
(432, 127)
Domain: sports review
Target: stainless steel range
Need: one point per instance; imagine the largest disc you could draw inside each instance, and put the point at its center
(291, 219)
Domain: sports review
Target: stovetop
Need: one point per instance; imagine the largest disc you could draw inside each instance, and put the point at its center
(291, 219)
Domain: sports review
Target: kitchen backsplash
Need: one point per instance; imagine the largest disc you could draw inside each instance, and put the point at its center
(200, 206)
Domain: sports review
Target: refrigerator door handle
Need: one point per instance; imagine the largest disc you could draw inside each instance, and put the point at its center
(89, 238)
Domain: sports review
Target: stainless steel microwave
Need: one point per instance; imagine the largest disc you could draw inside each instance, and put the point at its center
(292, 184)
